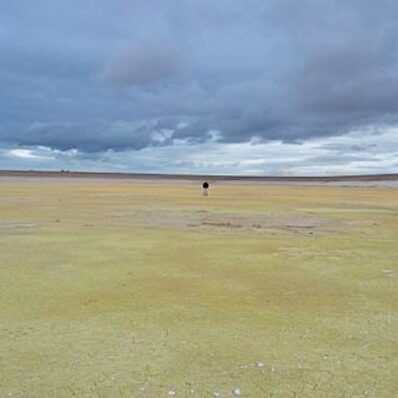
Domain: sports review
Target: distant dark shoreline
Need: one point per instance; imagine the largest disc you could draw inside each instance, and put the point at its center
(194, 177)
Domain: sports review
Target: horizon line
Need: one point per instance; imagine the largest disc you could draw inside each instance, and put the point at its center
(98, 174)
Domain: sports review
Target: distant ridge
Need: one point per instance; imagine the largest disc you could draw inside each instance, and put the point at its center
(194, 177)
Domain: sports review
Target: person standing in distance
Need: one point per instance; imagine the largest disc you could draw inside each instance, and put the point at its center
(205, 187)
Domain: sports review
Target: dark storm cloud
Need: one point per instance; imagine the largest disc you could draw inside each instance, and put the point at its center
(101, 75)
(143, 64)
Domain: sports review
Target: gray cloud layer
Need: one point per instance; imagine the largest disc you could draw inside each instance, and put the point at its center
(114, 75)
(144, 63)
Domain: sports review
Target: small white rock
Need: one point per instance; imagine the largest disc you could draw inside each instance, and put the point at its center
(216, 394)
(236, 392)
(260, 364)
(172, 393)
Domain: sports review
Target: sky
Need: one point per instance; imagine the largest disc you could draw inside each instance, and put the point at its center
(276, 87)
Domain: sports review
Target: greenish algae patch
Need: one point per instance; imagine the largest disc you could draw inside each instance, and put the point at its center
(128, 290)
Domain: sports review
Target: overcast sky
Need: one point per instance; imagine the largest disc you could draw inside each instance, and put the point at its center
(278, 87)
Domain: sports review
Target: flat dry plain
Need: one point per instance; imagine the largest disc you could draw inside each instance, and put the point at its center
(135, 289)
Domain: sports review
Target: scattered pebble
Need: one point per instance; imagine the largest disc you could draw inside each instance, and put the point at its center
(216, 395)
(172, 393)
(260, 364)
(236, 392)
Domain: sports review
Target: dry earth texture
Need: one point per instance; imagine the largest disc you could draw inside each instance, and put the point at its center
(112, 289)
